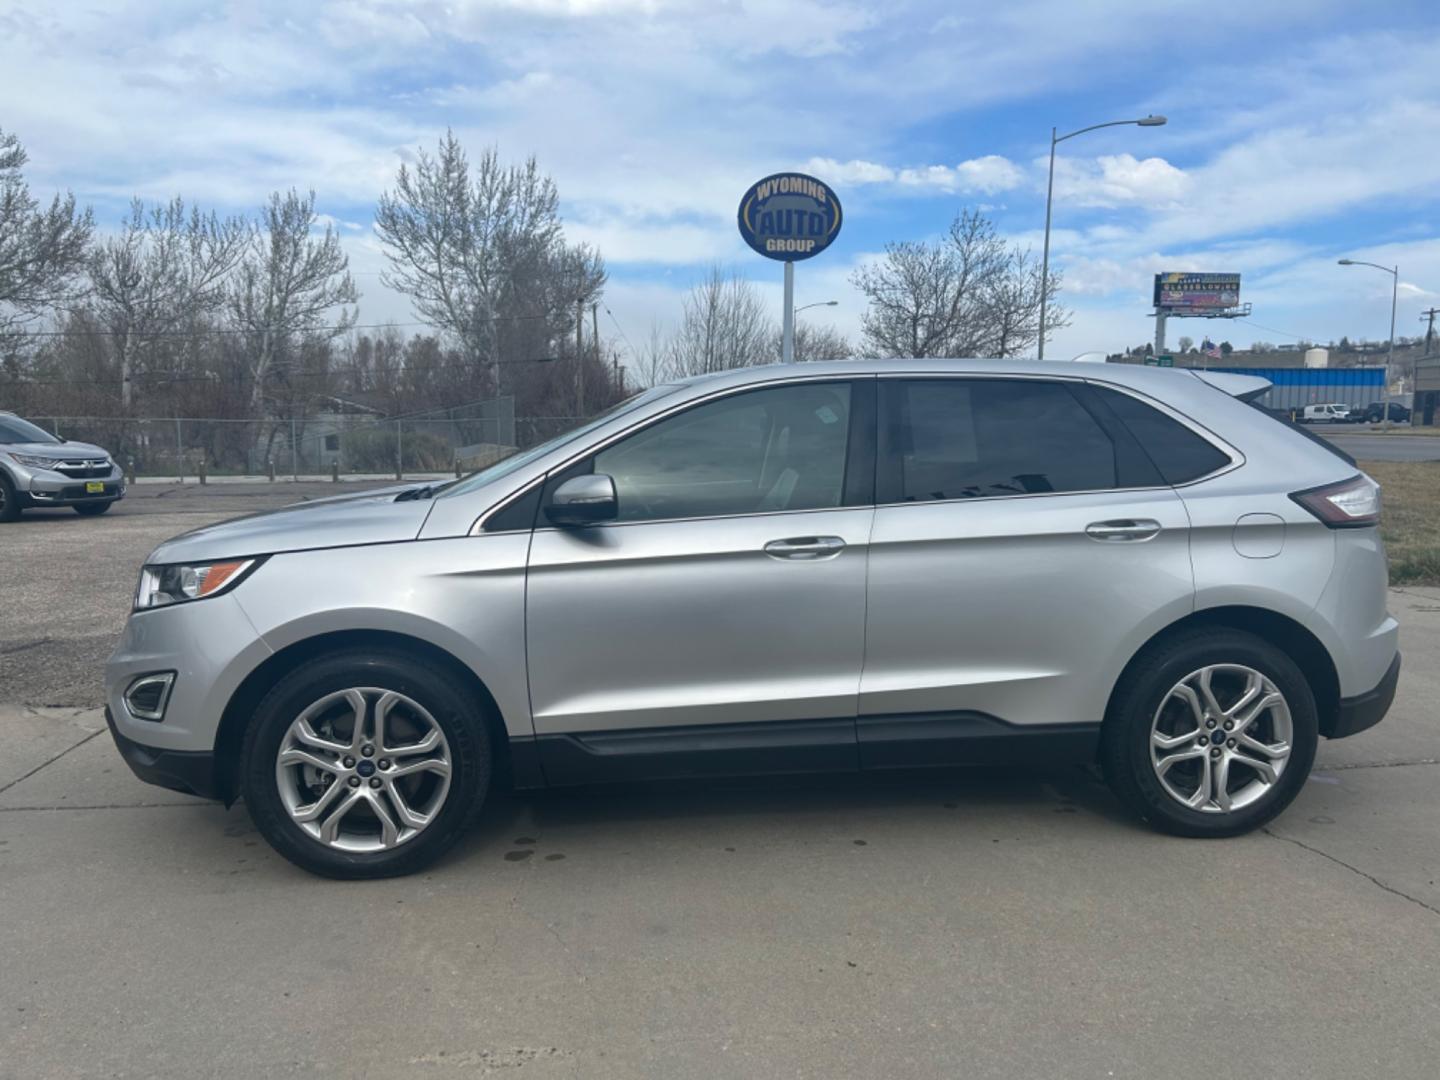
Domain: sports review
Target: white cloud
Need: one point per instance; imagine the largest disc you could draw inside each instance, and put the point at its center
(1119, 180)
(985, 175)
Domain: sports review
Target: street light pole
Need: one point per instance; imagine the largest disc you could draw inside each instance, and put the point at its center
(787, 342)
(1055, 140)
(1394, 273)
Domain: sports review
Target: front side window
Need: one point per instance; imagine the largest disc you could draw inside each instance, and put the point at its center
(982, 438)
(761, 451)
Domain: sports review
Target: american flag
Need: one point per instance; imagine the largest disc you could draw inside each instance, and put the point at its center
(1209, 348)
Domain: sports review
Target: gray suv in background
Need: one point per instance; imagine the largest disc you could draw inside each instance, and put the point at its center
(38, 470)
(833, 566)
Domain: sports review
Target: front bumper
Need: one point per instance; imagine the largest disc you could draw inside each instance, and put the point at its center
(1365, 710)
(188, 771)
(43, 487)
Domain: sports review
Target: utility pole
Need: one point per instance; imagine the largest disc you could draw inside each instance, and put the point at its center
(1429, 317)
(580, 358)
(595, 332)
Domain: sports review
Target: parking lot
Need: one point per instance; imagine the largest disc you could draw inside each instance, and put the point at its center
(909, 924)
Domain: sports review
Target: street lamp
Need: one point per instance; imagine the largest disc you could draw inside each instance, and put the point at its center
(1144, 121)
(1394, 273)
(818, 303)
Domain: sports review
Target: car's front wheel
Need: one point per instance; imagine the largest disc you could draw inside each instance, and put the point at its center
(9, 501)
(1211, 733)
(364, 765)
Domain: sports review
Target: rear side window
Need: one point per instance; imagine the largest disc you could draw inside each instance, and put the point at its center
(981, 438)
(1179, 453)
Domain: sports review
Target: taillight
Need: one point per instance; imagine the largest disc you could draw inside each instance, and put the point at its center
(1350, 504)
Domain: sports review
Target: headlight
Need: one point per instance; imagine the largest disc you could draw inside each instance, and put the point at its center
(161, 585)
(36, 462)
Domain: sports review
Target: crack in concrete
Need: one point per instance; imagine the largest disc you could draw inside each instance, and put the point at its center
(1377, 765)
(1354, 870)
(97, 806)
(51, 761)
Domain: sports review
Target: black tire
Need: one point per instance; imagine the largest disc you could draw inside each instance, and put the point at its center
(429, 685)
(9, 502)
(1125, 738)
(92, 509)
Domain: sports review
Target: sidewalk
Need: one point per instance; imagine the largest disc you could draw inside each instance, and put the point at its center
(303, 478)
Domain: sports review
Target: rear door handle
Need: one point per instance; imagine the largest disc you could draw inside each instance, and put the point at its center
(1123, 529)
(805, 547)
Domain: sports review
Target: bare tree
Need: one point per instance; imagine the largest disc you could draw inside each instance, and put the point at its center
(1013, 302)
(287, 288)
(480, 252)
(967, 294)
(724, 325)
(42, 252)
(813, 343)
(164, 268)
(1186, 343)
(652, 365)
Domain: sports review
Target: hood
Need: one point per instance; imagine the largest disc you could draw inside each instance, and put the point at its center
(373, 517)
(66, 451)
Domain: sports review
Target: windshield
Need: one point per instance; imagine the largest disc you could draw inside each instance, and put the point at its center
(505, 467)
(15, 430)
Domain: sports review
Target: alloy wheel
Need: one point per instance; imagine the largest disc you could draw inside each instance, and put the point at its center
(363, 769)
(1221, 738)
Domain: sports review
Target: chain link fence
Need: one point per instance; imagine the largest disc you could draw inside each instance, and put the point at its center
(459, 438)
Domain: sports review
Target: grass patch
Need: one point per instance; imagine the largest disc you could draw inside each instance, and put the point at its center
(1410, 524)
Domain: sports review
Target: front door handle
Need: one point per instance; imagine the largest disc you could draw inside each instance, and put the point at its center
(805, 547)
(1123, 529)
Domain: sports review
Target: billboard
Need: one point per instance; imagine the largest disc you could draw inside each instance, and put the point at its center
(1196, 292)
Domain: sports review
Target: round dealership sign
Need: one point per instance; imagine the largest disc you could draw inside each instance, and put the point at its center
(789, 216)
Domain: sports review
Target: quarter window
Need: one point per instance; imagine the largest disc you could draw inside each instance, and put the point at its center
(769, 450)
(981, 438)
(1179, 453)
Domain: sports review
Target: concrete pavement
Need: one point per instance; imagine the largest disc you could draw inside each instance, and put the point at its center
(915, 925)
(1386, 447)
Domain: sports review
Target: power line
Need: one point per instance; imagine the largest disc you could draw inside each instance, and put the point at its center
(1273, 330)
(624, 336)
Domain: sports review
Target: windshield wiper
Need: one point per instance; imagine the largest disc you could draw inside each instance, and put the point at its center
(410, 494)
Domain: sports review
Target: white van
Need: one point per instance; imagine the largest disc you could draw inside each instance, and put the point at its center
(1325, 414)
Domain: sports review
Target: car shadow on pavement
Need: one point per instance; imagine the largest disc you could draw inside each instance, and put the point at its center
(512, 820)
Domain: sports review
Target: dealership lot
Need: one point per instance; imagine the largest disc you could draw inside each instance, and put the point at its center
(900, 925)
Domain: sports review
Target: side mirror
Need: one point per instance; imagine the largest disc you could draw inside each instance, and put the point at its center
(583, 500)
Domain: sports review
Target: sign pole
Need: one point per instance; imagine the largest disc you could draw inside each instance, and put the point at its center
(1159, 331)
(787, 334)
(788, 217)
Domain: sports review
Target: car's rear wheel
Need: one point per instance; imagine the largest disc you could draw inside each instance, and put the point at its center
(1212, 733)
(92, 509)
(364, 765)
(9, 503)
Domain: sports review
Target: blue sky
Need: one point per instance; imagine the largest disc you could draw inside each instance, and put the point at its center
(1299, 132)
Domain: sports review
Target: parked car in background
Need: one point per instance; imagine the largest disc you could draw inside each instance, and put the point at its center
(1375, 413)
(838, 566)
(1332, 413)
(39, 470)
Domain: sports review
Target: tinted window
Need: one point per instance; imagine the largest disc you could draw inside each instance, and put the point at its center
(977, 438)
(1179, 453)
(776, 449)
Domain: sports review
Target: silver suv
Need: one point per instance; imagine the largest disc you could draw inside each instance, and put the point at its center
(838, 566)
(37, 469)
